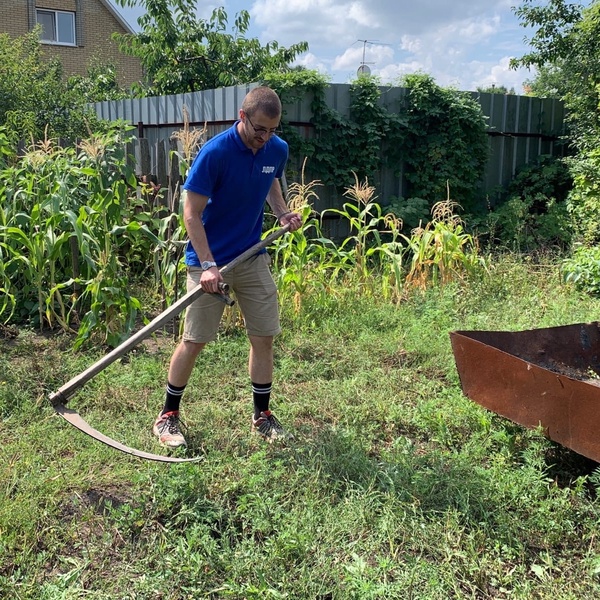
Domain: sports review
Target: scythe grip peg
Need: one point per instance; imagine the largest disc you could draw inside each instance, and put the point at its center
(224, 295)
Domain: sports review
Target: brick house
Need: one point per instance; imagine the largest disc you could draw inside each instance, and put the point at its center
(75, 31)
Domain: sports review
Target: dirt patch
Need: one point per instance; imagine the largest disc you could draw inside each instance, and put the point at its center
(587, 374)
(98, 500)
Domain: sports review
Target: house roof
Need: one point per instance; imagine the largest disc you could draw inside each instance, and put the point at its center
(117, 16)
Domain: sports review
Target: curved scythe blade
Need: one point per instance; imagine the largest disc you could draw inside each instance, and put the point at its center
(59, 398)
(75, 419)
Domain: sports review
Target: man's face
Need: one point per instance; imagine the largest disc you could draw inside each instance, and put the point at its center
(258, 129)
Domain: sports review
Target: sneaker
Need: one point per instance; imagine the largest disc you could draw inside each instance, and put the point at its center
(167, 428)
(269, 427)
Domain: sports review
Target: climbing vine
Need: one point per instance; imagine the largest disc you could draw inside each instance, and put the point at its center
(436, 138)
(446, 143)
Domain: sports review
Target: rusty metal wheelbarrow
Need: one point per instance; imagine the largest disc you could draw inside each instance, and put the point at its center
(541, 377)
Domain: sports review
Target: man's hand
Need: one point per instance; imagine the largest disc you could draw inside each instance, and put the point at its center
(210, 280)
(293, 219)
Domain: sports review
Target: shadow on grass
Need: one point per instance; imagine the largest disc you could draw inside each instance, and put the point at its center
(436, 480)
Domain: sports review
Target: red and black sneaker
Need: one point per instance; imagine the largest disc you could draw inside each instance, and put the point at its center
(167, 428)
(269, 427)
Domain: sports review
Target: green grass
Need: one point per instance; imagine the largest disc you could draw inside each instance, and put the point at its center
(396, 487)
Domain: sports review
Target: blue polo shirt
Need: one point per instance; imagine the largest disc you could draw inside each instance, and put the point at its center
(237, 183)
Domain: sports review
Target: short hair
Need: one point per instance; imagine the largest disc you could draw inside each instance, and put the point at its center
(262, 99)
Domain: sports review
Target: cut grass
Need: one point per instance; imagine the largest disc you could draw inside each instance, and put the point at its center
(397, 486)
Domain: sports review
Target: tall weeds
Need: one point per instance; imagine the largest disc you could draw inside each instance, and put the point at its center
(375, 257)
(442, 251)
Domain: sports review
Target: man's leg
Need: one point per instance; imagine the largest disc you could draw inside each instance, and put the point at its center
(202, 319)
(260, 367)
(183, 361)
(260, 363)
(167, 425)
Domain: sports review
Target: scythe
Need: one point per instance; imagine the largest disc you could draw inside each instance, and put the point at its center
(60, 397)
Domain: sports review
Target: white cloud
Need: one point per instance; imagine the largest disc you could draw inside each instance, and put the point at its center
(311, 61)
(485, 74)
(464, 43)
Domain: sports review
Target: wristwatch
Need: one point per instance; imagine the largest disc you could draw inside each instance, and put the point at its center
(207, 264)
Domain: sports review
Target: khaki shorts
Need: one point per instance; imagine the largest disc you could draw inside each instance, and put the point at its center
(255, 292)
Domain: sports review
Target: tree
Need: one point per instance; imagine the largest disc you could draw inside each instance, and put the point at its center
(547, 83)
(496, 89)
(100, 83)
(35, 101)
(566, 53)
(182, 53)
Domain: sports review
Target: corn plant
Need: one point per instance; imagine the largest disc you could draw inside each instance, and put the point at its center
(166, 257)
(304, 260)
(442, 251)
(33, 233)
(69, 231)
(293, 253)
(374, 242)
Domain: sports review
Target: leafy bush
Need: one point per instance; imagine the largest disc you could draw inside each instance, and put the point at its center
(583, 202)
(35, 101)
(534, 214)
(446, 143)
(583, 270)
(438, 133)
(411, 211)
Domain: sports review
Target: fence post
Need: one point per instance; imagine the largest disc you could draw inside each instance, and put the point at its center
(174, 176)
(144, 160)
(161, 168)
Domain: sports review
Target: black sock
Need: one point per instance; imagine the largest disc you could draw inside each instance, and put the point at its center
(261, 394)
(173, 398)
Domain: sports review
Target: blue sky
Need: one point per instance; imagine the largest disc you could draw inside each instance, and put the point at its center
(461, 43)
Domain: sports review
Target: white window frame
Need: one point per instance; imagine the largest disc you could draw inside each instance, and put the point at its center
(55, 14)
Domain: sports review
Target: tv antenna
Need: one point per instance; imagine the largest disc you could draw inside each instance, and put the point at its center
(364, 68)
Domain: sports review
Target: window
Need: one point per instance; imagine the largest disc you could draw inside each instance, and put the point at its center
(58, 27)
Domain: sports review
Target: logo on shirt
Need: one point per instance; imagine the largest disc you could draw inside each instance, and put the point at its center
(268, 170)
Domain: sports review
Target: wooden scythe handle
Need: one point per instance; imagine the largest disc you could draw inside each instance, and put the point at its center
(68, 389)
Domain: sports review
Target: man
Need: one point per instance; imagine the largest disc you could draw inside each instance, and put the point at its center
(231, 178)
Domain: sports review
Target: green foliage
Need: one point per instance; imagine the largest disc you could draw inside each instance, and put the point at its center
(446, 143)
(535, 213)
(583, 269)
(564, 49)
(496, 89)
(413, 212)
(563, 45)
(7, 149)
(584, 200)
(547, 83)
(181, 53)
(100, 83)
(35, 101)
(438, 133)
(342, 147)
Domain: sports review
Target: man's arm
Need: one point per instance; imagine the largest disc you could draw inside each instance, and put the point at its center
(280, 209)
(193, 207)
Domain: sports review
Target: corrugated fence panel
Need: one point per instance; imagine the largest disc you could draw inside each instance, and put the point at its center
(520, 128)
